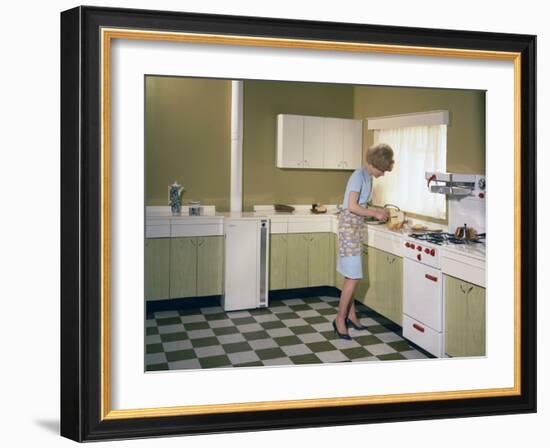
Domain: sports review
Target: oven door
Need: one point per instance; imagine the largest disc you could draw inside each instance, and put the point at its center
(423, 294)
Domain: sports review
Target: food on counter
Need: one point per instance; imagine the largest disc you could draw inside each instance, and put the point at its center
(418, 227)
(283, 208)
(318, 208)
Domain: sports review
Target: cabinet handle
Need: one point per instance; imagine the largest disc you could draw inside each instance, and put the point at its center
(466, 291)
(201, 242)
(390, 260)
(419, 328)
(433, 278)
(193, 242)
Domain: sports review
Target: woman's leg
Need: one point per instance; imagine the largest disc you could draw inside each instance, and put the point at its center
(344, 304)
(352, 314)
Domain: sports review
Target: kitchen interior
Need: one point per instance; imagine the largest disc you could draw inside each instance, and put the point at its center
(240, 270)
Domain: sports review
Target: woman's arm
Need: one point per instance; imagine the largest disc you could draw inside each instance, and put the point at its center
(378, 213)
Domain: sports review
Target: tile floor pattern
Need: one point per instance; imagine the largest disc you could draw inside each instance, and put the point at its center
(290, 331)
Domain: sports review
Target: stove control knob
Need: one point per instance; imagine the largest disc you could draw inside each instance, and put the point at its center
(427, 250)
(419, 257)
(432, 252)
(481, 195)
(419, 248)
(407, 244)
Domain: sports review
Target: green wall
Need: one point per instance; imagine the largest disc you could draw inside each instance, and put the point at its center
(263, 183)
(466, 130)
(188, 139)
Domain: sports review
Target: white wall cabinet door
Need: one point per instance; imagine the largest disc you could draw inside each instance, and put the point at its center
(353, 143)
(290, 141)
(313, 142)
(334, 143)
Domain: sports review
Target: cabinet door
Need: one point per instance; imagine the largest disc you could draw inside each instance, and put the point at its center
(352, 142)
(209, 265)
(313, 142)
(372, 297)
(390, 286)
(157, 271)
(338, 278)
(297, 260)
(334, 143)
(290, 141)
(464, 318)
(183, 267)
(277, 261)
(319, 259)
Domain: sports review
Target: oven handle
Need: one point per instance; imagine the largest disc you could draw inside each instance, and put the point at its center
(433, 278)
(419, 328)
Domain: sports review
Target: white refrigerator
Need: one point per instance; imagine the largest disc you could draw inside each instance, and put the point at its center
(246, 268)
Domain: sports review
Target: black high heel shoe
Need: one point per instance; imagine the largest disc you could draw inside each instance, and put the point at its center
(344, 336)
(356, 327)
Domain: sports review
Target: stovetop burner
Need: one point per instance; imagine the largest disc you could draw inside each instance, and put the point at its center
(441, 238)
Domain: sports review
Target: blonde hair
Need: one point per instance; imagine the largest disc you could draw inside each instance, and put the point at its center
(380, 156)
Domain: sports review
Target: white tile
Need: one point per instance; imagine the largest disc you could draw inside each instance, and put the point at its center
(165, 329)
(177, 345)
(221, 323)
(307, 313)
(155, 358)
(293, 301)
(280, 309)
(366, 359)
(320, 305)
(332, 356)
(325, 326)
(295, 322)
(389, 337)
(196, 334)
(380, 349)
(248, 328)
(212, 310)
(414, 354)
(185, 364)
(279, 332)
(187, 319)
(150, 323)
(212, 350)
(342, 344)
(277, 362)
(311, 337)
(165, 314)
(237, 314)
(242, 357)
(294, 350)
(265, 318)
(259, 344)
(231, 338)
(153, 339)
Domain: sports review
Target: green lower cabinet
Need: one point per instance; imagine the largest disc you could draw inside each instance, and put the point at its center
(319, 259)
(277, 261)
(464, 318)
(157, 262)
(183, 267)
(382, 286)
(338, 278)
(297, 260)
(210, 255)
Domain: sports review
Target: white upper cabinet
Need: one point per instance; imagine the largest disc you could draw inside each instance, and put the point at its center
(318, 142)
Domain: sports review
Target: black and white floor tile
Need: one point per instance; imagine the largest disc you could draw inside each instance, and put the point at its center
(290, 331)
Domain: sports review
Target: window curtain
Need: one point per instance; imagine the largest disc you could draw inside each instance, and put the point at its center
(417, 149)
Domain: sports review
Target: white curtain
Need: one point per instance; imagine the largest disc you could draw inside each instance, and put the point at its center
(417, 149)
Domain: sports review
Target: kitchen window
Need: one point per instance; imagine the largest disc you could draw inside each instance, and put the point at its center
(419, 142)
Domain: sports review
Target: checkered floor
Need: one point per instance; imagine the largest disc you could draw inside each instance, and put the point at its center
(290, 331)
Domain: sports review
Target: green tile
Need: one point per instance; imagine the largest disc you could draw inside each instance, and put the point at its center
(317, 347)
(254, 335)
(367, 340)
(157, 367)
(205, 342)
(304, 329)
(169, 321)
(171, 337)
(285, 316)
(316, 320)
(271, 325)
(329, 335)
(287, 340)
(243, 320)
(270, 353)
(327, 311)
(259, 311)
(356, 352)
(313, 300)
(149, 331)
(193, 326)
(237, 347)
(154, 348)
(180, 355)
(190, 312)
(249, 364)
(374, 329)
(225, 330)
(400, 346)
(216, 316)
(215, 361)
(305, 359)
(300, 307)
(391, 356)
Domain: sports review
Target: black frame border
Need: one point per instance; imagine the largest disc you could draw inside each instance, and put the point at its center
(81, 223)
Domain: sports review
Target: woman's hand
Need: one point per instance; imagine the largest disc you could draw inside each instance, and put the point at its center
(381, 214)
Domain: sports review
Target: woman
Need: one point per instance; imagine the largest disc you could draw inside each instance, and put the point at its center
(352, 227)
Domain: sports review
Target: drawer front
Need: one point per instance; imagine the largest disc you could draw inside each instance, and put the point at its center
(207, 229)
(157, 231)
(310, 226)
(423, 336)
(278, 227)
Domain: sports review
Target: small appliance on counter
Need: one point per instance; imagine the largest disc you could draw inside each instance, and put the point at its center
(194, 208)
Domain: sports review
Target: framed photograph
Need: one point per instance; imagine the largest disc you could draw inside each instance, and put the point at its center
(349, 234)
